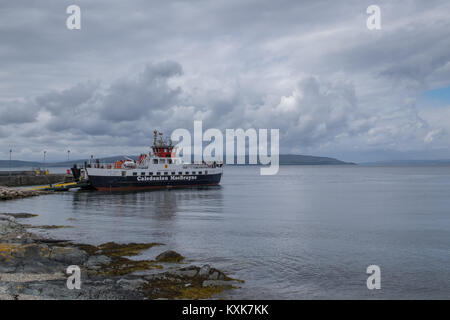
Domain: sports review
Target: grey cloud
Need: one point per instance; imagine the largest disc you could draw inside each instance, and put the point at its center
(69, 99)
(128, 100)
(125, 108)
(16, 111)
(316, 112)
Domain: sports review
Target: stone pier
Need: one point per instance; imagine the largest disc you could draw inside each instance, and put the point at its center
(32, 180)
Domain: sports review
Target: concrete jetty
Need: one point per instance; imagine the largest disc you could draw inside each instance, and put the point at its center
(29, 178)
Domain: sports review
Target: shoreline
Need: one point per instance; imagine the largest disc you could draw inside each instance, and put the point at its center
(34, 267)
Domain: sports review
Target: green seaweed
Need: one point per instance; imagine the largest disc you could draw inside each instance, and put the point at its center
(120, 266)
(187, 288)
(21, 215)
(112, 249)
(46, 227)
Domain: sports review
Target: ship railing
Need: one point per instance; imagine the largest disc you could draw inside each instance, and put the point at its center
(196, 164)
(102, 165)
(204, 164)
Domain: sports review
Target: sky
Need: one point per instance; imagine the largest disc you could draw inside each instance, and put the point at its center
(311, 69)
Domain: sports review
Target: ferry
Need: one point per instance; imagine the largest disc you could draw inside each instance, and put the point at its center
(157, 169)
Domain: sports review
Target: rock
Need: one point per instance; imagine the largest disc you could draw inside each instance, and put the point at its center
(9, 194)
(69, 255)
(215, 274)
(32, 267)
(33, 251)
(131, 284)
(169, 256)
(7, 268)
(204, 271)
(189, 272)
(97, 261)
(7, 217)
(11, 230)
(209, 273)
(108, 281)
(20, 215)
(157, 276)
(216, 283)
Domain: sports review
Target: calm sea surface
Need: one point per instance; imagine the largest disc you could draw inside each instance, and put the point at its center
(309, 232)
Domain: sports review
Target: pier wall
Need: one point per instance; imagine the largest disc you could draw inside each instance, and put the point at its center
(32, 180)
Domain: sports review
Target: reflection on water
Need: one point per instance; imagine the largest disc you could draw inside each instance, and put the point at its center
(147, 216)
(308, 232)
(160, 205)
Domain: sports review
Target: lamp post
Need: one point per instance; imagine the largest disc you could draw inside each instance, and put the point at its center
(68, 155)
(45, 152)
(10, 152)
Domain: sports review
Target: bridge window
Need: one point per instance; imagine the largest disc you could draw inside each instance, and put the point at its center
(173, 172)
(166, 173)
(180, 173)
(134, 173)
(193, 172)
(155, 161)
(199, 172)
(187, 172)
(150, 173)
(158, 173)
(143, 174)
(162, 160)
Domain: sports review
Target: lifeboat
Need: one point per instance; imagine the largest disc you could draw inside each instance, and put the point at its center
(129, 164)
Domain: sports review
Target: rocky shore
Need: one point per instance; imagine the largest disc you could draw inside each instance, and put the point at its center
(32, 267)
(10, 194)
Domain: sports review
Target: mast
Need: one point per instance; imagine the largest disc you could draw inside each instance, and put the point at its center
(162, 148)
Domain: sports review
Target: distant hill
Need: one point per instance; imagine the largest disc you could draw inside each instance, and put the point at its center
(18, 163)
(443, 162)
(285, 159)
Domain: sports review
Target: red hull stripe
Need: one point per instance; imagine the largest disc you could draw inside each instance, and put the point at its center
(154, 187)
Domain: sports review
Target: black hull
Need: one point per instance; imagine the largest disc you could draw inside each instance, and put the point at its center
(109, 183)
